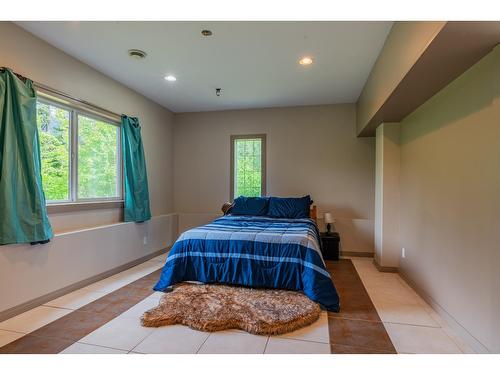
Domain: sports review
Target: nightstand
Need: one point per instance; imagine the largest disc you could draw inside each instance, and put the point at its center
(330, 244)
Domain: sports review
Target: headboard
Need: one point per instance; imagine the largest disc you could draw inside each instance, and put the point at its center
(313, 212)
(225, 207)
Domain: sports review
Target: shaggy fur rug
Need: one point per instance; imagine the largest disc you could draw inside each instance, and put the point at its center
(212, 307)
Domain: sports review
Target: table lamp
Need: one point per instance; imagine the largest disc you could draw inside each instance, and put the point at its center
(328, 221)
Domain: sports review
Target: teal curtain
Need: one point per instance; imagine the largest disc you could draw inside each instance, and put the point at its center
(134, 172)
(23, 215)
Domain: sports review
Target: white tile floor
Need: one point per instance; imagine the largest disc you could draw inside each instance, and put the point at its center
(316, 332)
(7, 337)
(234, 342)
(411, 323)
(33, 319)
(75, 300)
(175, 339)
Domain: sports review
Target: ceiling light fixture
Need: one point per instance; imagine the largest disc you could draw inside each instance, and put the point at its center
(170, 78)
(206, 32)
(137, 54)
(306, 60)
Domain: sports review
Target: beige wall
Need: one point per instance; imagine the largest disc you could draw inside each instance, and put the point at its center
(450, 201)
(310, 150)
(387, 170)
(405, 43)
(38, 60)
(78, 255)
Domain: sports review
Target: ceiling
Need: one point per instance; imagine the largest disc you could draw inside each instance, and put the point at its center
(255, 63)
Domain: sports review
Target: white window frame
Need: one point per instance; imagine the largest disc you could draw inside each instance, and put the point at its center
(74, 112)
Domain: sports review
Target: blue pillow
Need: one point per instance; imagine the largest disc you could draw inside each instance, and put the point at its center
(256, 206)
(290, 208)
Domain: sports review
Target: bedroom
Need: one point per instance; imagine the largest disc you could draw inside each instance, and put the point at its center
(347, 158)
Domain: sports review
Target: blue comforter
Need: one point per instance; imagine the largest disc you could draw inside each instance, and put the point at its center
(253, 251)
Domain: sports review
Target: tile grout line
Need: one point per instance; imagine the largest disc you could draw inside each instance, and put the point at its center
(265, 346)
(302, 340)
(458, 345)
(140, 342)
(412, 325)
(11, 331)
(203, 343)
(57, 307)
(358, 319)
(455, 341)
(99, 346)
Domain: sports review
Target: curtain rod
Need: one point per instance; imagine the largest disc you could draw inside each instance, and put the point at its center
(84, 102)
(67, 96)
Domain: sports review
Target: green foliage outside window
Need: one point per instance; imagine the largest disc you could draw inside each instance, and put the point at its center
(97, 158)
(248, 168)
(53, 128)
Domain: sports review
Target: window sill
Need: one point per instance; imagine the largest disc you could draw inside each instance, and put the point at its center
(56, 208)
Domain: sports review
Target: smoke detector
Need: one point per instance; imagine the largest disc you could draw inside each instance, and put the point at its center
(137, 54)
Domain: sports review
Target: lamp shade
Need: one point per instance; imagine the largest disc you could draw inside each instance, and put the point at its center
(328, 218)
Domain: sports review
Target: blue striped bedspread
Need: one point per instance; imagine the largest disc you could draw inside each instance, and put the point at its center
(253, 251)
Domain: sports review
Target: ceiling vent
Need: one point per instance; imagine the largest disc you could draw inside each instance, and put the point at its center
(137, 54)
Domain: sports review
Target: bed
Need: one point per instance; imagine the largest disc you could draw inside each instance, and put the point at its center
(253, 251)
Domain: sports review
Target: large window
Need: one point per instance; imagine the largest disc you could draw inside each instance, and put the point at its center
(80, 153)
(248, 169)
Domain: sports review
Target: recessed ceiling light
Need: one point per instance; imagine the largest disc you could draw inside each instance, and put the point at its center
(306, 60)
(170, 78)
(137, 54)
(206, 32)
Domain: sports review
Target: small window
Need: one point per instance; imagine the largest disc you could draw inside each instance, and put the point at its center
(248, 169)
(80, 154)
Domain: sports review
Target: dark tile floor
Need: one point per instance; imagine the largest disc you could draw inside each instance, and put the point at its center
(357, 328)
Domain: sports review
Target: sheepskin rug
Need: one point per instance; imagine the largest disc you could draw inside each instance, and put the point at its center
(213, 307)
